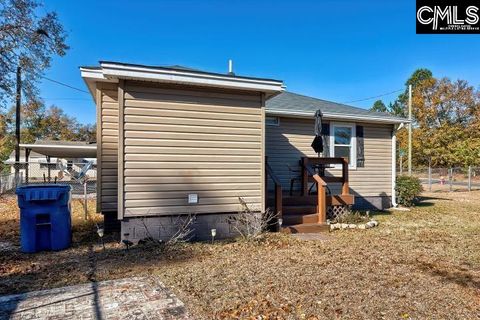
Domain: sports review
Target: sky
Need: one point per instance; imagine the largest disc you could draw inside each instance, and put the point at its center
(341, 51)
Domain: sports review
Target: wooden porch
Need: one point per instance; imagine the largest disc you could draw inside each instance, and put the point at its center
(306, 211)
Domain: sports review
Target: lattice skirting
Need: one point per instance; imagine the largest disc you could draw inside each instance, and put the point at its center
(334, 211)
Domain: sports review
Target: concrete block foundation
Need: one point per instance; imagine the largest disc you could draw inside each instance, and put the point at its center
(164, 227)
(372, 203)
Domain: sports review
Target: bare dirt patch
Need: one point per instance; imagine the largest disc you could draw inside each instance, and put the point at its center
(424, 263)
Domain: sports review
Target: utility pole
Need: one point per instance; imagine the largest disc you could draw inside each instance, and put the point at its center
(18, 101)
(410, 130)
(18, 107)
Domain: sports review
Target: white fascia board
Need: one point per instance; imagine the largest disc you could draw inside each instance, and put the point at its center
(94, 74)
(91, 76)
(111, 70)
(334, 116)
(58, 146)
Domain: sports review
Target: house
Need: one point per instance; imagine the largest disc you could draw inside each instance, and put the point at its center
(38, 161)
(370, 147)
(178, 141)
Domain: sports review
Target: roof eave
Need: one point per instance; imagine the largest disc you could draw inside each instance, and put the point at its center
(91, 76)
(135, 72)
(337, 116)
(59, 146)
(112, 72)
(64, 151)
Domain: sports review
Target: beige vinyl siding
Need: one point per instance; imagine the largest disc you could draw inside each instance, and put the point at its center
(288, 142)
(375, 179)
(179, 140)
(108, 146)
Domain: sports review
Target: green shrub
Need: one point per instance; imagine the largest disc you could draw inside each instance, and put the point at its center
(408, 189)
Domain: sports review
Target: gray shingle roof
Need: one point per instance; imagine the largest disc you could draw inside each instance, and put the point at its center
(182, 68)
(289, 102)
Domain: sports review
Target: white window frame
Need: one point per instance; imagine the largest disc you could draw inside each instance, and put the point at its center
(276, 124)
(353, 143)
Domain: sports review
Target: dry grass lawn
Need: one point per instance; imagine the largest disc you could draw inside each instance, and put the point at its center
(422, 264)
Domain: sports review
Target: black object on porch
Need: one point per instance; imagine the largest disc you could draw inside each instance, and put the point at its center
(317, 143)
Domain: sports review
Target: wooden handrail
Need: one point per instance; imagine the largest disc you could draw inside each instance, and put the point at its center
(278, 190)
(272, 174)
(315, 176)
(326, 161)
(321, 193)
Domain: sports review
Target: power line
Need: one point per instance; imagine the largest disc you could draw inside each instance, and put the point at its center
(380, 95)
(65, 85)
(81, 90)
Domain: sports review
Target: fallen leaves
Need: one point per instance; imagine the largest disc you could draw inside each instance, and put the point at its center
(419, 264)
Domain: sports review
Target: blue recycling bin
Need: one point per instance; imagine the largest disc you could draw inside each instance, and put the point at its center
(45, 221)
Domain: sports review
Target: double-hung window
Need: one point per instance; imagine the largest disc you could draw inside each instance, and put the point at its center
(342, 142)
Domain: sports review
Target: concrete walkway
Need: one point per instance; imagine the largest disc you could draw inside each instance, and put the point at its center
(133, 298)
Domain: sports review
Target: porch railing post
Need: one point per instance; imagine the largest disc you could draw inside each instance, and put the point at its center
(322, 204)
(345, 187)
(278, 201)
(304, 176)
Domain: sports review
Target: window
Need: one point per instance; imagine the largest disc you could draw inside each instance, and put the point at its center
(272, 121)
(342, 140)
(44, 165)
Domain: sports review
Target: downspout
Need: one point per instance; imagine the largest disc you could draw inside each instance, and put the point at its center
(394, 167)
(394, 163)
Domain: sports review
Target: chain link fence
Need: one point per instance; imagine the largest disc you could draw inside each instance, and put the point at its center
(433, 179)
(448, 179)
(18, 174)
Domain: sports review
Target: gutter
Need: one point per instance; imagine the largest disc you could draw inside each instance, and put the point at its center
(336, 116)
(394, 163)
(394, 168)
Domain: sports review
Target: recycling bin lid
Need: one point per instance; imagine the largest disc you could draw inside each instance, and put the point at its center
(43, 191)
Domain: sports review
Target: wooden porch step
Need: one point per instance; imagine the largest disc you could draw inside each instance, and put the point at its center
(293, 219)
(306, 228)
(299, 210)
(337, 199)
